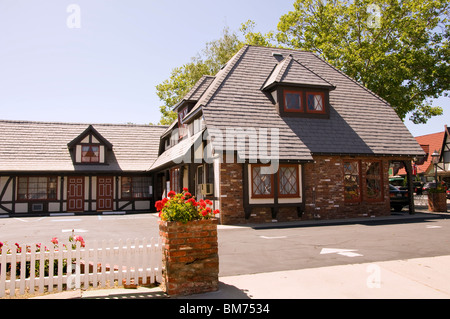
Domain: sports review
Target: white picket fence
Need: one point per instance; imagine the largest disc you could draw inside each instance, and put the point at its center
(95, 265)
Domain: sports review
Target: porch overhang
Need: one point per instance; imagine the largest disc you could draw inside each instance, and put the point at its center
(176, 154)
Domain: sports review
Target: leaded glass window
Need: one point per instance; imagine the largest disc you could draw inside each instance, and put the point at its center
(352, 191)
(288, 181)
(262, 184)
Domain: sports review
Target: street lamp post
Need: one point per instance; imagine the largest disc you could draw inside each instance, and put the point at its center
(435, 159)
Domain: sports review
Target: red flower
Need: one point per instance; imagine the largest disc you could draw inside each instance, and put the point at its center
(159, 205)
(208, 202)
(204, 212)
(216, 212)
(185, 189)
(171, 194)
(187, 194)
(192, 201)
(202, 203)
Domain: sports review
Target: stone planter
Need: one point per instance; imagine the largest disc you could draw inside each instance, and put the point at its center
(190, 259)
(437, 202)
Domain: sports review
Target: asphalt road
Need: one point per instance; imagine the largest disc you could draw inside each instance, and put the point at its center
(247, 250)
(92, 227)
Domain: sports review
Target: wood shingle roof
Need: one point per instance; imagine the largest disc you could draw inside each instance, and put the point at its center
(360, 122)
(42, 146)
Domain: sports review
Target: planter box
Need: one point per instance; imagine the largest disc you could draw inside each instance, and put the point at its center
(190, 259)
(437, 202)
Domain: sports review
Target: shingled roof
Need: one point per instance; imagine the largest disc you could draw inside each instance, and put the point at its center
(360, 122)
(42, 146)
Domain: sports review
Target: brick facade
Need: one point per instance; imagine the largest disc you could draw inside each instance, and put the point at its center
(231, 194)
(190, 262)
(324, 189)
(323, 193)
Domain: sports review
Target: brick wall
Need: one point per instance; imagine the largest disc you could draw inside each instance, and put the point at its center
(323, 193)
(190, 261)
(324, 190)
(231, 192)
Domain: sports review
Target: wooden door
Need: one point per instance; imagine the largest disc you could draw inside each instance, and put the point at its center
(104, 193)
(75, 194)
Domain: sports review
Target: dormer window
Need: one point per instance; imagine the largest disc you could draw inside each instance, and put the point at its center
(297, 91)
(182, 127)
(304, 101)
(315, 102)
(90, 147)
(90, 154)
(293, 101)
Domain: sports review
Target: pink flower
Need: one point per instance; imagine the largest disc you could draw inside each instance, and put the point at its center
(80, 239)
(54, 241)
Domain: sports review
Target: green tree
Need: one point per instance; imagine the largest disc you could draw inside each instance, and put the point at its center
(182, 79)
(397, 49)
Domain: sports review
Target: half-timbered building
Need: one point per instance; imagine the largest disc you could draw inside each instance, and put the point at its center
(275, 135)
(78, 168)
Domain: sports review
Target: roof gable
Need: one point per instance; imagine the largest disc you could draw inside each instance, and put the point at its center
(291, 72)
(90, 133)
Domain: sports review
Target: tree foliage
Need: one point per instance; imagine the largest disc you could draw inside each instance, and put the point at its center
(397, 49)
(182, 79)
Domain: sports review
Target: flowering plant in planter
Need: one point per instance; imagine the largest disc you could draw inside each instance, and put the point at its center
(183, 207)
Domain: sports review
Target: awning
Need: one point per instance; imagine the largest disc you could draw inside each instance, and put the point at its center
(175, 154)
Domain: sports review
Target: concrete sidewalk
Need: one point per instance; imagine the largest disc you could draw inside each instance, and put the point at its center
(424, 278)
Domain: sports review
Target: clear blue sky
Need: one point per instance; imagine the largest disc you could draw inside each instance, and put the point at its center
(106, 70)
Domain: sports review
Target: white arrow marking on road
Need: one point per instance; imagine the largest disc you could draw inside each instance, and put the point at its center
(281, 237)
(430, 226)
(75, 230)
(343, 252)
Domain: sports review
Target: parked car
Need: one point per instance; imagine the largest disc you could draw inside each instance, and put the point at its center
(427, 186)
(399, 198)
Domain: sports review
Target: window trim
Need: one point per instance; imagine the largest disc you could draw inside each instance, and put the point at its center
(182, 127)
(359, 198)
(132, 192)
(380, 175)
(297, 195)
(253, 195)
(47, 199)
(303, 113)
(301, 94)
(322, 94)
(175, 174)
(90, 162)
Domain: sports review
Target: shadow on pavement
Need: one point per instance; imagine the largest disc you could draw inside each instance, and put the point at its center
(225, 292)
